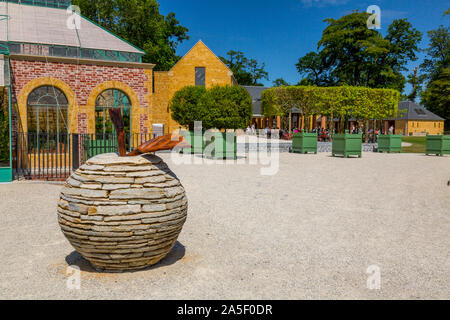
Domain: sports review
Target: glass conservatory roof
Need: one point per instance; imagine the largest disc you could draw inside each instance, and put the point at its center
(45, 30)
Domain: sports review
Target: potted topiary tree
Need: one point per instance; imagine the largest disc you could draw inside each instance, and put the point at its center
(188, 106)
(219, 109)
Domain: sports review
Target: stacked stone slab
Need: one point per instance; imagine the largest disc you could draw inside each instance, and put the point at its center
(122, 213)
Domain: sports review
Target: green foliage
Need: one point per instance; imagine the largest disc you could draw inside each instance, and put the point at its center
(438, 53)
(4, 126)
(344, 102)
(437, 96)
(415, 81)
(436, 73)
(221, 107)
(313, 67)
(189, 105)
(280, 82)
(352, 54)
(248, 72)
(140, 23)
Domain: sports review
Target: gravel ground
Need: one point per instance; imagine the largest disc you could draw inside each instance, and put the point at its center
(311, 231)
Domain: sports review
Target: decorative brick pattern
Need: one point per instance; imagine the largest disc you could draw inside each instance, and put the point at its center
(82, 79)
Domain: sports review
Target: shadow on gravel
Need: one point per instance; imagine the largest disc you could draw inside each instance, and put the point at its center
(177, 253)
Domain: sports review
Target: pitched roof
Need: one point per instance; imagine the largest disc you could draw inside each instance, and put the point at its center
(409, 110)
(256, 93)
(44, 25)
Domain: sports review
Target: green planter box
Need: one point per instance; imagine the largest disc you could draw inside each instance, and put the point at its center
(390, 143)
(225, 146)
(438, 145)
(5, 175)
(347, 144)
(195, 140)
(304, 143)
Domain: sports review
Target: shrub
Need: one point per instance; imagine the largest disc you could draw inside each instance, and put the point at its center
(221, 107)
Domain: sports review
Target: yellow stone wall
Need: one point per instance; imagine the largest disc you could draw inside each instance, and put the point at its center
(182, 75)
(431, 127)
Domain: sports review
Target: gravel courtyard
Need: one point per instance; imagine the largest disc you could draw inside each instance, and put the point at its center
(308, 232)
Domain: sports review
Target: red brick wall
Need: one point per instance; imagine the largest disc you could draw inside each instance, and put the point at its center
(82, 123)
(81, 78)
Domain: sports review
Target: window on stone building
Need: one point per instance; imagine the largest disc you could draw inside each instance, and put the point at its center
(200, 76)
(111, 98)
(47, 111)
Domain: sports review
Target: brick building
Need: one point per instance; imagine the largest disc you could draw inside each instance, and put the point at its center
(64, 79)
(63, 72)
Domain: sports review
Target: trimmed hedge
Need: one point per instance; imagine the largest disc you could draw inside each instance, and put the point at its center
(221, 107)
(344, 102)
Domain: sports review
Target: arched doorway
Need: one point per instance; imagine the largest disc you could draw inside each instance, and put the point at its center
(111, 98)
(47, 111)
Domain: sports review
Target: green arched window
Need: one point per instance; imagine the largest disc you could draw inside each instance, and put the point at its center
(47, 111)
(111, 98)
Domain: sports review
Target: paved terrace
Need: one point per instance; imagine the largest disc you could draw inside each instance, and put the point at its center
(311, 231)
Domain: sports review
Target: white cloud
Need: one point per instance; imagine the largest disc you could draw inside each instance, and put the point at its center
(323, 3)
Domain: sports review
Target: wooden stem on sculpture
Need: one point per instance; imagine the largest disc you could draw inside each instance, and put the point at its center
(167, 142)
(117, 120)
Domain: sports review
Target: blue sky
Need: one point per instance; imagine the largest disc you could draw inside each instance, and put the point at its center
(279, 32)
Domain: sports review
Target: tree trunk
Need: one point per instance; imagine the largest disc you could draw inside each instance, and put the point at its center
(290, 121)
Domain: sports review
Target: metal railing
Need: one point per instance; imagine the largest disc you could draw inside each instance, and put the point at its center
(53, 157)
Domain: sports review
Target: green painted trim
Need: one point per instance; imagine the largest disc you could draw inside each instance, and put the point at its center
(80, 49)
(39, 4)
(5, 175)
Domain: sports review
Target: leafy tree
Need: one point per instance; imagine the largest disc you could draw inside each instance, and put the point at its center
(414, 81)
(140, 23)
(313, 68)
(344, 102)
(248, 72)
(351, 54)
(280, 82)
(435, 70)
(437, 96)
(189, 105)
(231, 108)
(221, 107)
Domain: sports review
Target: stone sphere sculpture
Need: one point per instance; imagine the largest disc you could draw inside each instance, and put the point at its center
(122, 213)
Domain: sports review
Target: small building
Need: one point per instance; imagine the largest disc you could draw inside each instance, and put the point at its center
(413, 119)
(258, 120)
(198, 67)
